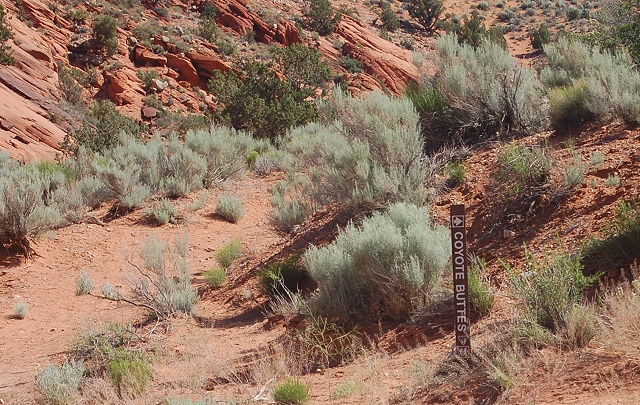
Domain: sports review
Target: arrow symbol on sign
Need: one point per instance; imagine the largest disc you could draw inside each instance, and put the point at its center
(463, 340)
(457, 220)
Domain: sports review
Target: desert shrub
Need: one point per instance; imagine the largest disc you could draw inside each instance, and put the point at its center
(20, 310)
(70, 86)
(224, 150)
(230, 208)
(550, 289)
(5, 35)
(207, 27)
(163, 284)
(426, 12)
(101, 128)
(199, 202)
(162, 212)
(365, 155)
(386, 268)
(581, 326)
(260, 102)
(291, 392)
(613, 84)
(612, 180)
(568, 106)
(484, 6)
(619, 245)
(303, 67)
(481, 296)
(573, 174)
(351, 65)
(288, 274)
(129, 372)
(455, 173)
(388, 18)
(185, 169)
(524, 167)
(122, 180)
(84, 285)
(147, 76)
(473, 32)
(617, 319)
(288, 212)
(214, 276)
(105, 32)
(540, 36)
(486, 93)
(27, 208)
(58, 385)
(320, 16)
(228, 253)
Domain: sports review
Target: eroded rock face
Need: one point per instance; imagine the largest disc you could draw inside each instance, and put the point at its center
(380, 58)
(235, 16)
(144, 56)
(186, 71)
(124, 87)
(206, 62)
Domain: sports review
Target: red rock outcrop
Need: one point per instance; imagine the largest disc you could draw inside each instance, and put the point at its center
(380, 58)
(235, 16)
(124, 87)
(186, 71)
(144, 56)
(206, 62)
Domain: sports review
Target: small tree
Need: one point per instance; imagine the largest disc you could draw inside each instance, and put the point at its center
(427, 12)
(105, 32)
(540, 37)
(5, 34)
(389, 19)
(321, 16)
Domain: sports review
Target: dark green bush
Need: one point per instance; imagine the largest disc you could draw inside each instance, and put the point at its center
(321, 17)
(352, 65)
(540, 36)
(5, 35)
(426, 12)
(620, 243)
(259, 102)
(105, 32)
(389, 19)
(101, 129)
(287, 274)
(291, 392)
(568, 106)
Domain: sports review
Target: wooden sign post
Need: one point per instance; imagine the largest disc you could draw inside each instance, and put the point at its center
(460, 281)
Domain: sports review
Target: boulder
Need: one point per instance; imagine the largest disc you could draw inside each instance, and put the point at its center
(124, 87)
(186, 71)
(206, 62)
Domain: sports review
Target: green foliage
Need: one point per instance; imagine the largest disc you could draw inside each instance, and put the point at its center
(351, 65)
(105, 32)
(620, 243)
(147, 76)
(129, 372)
(278, 276)
(389, 19)
(455, 173)
(481, 295)
(472, 31)
(228, 253)
(486, 91)
(58, 385)
(303, 67)
(524, 167)
(70, 85)
(162, 212)
(259, 102)
(386, 268)
(540, 36)
(612, 83)
(550, 289)
(569, 106)
(230, 208)
(101, 129)
(84, 285)
(321, 17)
(5, 35)
(291, 392)
(365, 155)
(215, 276)
(27, 204)
(20, 310)
(426, 12)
